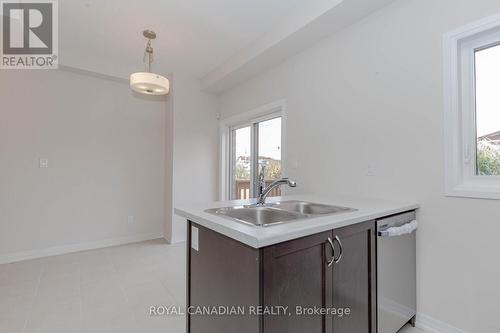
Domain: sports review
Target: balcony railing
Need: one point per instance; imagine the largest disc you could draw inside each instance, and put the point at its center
(242, 188)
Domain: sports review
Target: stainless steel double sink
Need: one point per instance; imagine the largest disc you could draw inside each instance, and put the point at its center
(278, 212)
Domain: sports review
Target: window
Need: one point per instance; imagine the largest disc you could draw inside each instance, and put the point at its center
(487, 77)
(241, 162)
(256, 149)
(472, 112)
(252, 143)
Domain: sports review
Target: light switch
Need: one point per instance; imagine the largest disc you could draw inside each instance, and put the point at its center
(44, 163)
(370, 170)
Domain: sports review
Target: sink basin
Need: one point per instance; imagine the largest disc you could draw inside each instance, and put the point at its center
(256, 215)
(279, 212)
(308, 208)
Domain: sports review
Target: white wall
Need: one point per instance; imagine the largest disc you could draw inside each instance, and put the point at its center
(107, 153)
(195, 149)
(372, 96)
(169, 163)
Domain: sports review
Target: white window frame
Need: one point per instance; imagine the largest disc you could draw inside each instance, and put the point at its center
(460, 141)
(226, 125)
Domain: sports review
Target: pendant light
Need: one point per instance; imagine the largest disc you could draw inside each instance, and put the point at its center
(146, 82)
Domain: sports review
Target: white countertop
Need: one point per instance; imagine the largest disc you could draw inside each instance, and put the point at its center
(257, 237)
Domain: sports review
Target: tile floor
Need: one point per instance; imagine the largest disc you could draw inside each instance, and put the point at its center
(101, 291)
(107, 290)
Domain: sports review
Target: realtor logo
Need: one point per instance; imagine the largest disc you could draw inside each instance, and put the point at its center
(29, 34)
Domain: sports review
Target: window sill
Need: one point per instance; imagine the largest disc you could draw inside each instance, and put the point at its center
(474, 190)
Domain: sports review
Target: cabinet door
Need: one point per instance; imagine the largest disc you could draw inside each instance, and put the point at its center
(296, 274)
(354, 277)
(221, 272)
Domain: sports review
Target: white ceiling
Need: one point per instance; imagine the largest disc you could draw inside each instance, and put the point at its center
(194, 36)
(301, 29)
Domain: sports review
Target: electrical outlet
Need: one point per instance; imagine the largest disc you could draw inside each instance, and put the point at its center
(130, 219)
(43, 163)
(195, 238)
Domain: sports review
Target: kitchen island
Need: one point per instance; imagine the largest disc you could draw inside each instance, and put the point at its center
(316, 274)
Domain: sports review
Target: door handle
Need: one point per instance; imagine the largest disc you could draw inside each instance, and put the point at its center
(330, 262)
(337, 239)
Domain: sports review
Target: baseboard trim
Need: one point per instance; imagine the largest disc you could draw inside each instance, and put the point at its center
(177, 241)
(431, 325)
(65, 249)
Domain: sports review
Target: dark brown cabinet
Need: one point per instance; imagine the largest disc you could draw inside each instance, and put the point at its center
(333, 270)
(354, 284)
(295, 273)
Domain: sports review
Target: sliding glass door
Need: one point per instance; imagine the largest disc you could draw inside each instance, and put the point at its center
(255, 150)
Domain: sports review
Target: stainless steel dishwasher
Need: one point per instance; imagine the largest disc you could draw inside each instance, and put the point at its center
(396, 272)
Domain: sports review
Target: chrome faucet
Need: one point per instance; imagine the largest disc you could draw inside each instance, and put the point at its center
(262, 196)
(262, 180)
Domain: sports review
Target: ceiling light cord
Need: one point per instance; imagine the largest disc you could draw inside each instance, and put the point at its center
(148, 56)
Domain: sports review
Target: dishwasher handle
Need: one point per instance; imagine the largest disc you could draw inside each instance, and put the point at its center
(404, 229)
